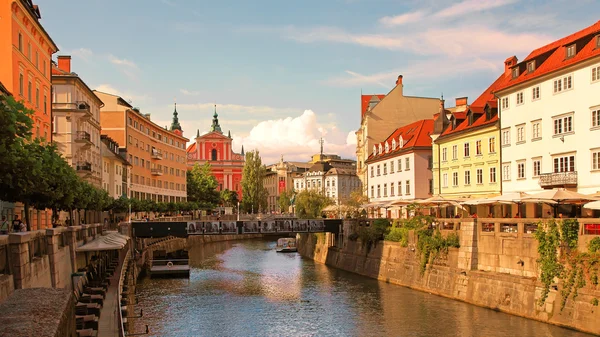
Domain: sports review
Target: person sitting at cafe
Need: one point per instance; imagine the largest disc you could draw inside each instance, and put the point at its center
(517, 215)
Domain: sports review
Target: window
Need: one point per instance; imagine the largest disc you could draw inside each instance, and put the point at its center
(44, 68)
(467, 153)
(595, 73)
(519, 98)
(399, 188)
(213, 154)
(596, 118)
(372, 171)
(504, 103)
(478, 148)
(45, 104)
(378, 191)
(570, 51)
(515, 72)
(506, 137)
(29, 90)
(384, 169)
(430, 186)
(21, 84)
(492, 174)
(407, 186)
(492, 144)
(562, 84)
(520, 133)
(20, 42)
(445, 180)
(537, 167)
(407, 162)
(454, 178)
(37, 59)
(479, 174)
(392, 189)
(521, 170)
(392, 166)
(536, 130)
(399, 165)
(598, 41)
(467, 177)
(596, 159)
(535, 93)
(564, 164)
(530, 66)
(454, 152)
(385, 190)
(29, 51)
(444, 154)
(563, 124)
(505, 171)
(378, 170)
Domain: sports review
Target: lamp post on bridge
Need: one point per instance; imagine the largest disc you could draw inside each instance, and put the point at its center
(238, 211)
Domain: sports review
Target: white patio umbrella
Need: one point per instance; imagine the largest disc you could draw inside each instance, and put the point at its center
(595, 205)
(507, 198)
(560, 196)
(439, 201)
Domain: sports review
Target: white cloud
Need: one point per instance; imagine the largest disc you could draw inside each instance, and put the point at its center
(133, 98)
(296, 138)
(237, 109)
(189, 93)
(82, 53)
(121, 62)
(402, 18)
(471, 6)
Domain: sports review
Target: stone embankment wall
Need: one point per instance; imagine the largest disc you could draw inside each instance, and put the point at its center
(458, 274)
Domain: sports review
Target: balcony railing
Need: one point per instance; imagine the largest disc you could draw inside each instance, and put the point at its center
(156, 154)
(84, 167)
(76, 107)
(558, 179)
(157, 172)
(83, 136)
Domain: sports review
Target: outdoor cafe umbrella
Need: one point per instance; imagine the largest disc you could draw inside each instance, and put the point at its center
(595, 205)
(506, 198)
(560, 196)
(439, 201)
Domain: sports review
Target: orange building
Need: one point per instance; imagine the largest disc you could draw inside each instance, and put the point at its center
(157, 155)
(26, 58)
(26, 52)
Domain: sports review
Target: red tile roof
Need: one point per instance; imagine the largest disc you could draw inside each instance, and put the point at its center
(551, 57)
(364, 102)
(416, 134)
(191, 148)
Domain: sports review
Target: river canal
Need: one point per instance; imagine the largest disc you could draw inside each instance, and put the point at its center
(245, 288)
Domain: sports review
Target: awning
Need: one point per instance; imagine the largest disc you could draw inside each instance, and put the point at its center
(110, 241)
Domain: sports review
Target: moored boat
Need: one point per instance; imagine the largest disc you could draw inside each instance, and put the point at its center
(286, 245)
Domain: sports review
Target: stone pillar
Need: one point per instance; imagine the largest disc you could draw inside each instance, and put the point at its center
(19, 258)
(53, 236)
(467, 253)
(71, 243)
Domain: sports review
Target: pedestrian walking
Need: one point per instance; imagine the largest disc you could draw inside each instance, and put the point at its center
(4, 226)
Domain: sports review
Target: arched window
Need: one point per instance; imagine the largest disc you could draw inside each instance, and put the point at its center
(214, 154)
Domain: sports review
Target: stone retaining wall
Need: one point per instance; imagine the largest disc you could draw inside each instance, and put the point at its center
(452, 277)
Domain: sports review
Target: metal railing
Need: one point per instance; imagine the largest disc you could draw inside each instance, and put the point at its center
(156, 154)
(157, 172)
(83, 136)
(71, 106)
(558, 179)
(84, 166)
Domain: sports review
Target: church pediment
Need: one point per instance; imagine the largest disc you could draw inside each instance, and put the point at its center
(214, 135)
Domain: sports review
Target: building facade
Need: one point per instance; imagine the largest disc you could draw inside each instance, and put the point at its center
(550, 116)
(216, 148)
(26, 55)
(466, 153)
(76, 122)
(115, 169)
(399, 168)
(380, 116)
(279, 178)
(156, 154)
(334, 181)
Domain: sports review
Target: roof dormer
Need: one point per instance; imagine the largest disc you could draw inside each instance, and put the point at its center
(380, 150)
(393, 144)
(374, 150)
(598, 42)
(387, 147)
(401, 142)
(530, 66)
(515, 72)
(570, 51)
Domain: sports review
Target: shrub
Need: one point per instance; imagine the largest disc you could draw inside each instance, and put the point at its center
(594, 245)
(398, 234)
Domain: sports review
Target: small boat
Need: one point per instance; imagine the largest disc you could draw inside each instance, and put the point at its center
(286, 245)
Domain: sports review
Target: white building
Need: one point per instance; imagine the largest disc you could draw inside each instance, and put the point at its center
(115, 176)
(334, 181)
(550, 116)
(399, 168)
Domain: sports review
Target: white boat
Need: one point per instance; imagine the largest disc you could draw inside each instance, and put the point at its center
(286, 245)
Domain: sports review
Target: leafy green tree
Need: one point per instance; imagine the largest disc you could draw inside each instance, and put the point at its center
(285, 200)
(352, 205)
(229, 198)
(310, 203)
(202, 186)
(254, 194)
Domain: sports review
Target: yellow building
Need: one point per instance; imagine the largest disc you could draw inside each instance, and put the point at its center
(466, 150)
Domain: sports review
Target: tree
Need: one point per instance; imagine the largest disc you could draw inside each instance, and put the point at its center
(310, 203)
(229, 198)
(254, 193)
(202, 186)
(352, 205)
(285, 200)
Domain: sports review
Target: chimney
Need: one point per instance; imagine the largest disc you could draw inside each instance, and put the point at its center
(64, 63)
(148, 116)
(508, 64)
(399, 80)
(460, 101)
(399, 84)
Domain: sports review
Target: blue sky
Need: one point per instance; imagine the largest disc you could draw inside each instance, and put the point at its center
(285, 73)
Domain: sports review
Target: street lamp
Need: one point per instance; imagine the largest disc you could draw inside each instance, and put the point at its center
(238, 212)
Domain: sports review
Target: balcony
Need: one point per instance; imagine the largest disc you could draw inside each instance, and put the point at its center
(157, 172)
(558, 179)
(156, 154)
(82, 109)
(83, 138)
(84, 168)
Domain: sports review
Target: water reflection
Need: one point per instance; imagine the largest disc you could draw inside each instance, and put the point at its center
(247, 289)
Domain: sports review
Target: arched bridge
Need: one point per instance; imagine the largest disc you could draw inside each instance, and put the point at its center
(275, 227)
